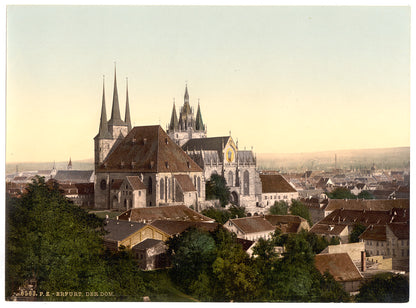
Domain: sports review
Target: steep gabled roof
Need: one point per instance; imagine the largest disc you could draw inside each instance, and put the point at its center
(339, 265)
(204, 144)
(253, 224)
(275, 183)
(374, 233)
(119, 230)
(172, 212)
(135, 182)
(185, 182)
(401, 231)
(148, 149)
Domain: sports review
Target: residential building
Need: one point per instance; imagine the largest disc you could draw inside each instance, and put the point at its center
(274, 187)
(341, 267)
(250, 228)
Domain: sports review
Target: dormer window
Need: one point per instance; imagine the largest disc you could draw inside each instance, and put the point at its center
(144, 140)
(166, 164)
(166, 141)
(188, 164)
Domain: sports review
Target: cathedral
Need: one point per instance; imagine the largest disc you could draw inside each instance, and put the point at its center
(145, 166)
(141, 166)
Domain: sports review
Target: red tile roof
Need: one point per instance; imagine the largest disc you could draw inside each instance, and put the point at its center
(172, 212)
(253, 224)
(135, 182)
(286, 223)
(275, 183)
(374, 233)
(375, 205)
(148, 149)
(172, 227)
(185, 182)
(339, 265)
(401, 231)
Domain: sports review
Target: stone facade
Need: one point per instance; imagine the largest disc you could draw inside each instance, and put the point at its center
(187, 126)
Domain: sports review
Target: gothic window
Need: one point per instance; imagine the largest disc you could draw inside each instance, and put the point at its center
(103, 184)
(150, 186)
(162, 189)
(230, 178)
(246, 185)
(198, 183)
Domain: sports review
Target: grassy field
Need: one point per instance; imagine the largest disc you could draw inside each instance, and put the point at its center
(163, 290)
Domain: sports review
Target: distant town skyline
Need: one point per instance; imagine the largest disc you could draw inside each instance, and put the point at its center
(281, 79)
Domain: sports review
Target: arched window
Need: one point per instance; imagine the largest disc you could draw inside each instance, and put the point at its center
(230, 179)
(246, 184)
(150, 186)
(198, 184)
(162, 189)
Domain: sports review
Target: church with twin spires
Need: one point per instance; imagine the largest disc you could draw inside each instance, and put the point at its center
(145, 166)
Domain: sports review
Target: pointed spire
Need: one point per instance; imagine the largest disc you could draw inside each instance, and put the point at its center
(115, 111)
(174, 125)
(127, 114)
(69, 164)
(199, 125)
(186, 107)
(103, 131)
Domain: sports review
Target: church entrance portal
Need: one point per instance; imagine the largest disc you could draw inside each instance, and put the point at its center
(234, 198)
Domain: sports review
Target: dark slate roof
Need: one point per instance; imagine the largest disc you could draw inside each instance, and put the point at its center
(148, 149)
(85, 188)
(173, 212)
(172, 227)
(204, 144)
(275, 183)
(185, 182)
(119, 230)
(339, 265)
(245, 157)
(135, 182)
(357, 204)
(174, 119)
(146, 244)
(74, 176)
(253, 224)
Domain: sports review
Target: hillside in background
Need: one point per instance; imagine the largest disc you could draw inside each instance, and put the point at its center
(387, 159)
(86, 164)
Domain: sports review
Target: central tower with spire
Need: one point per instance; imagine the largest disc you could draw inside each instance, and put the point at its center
(111, 132)
(186, 127)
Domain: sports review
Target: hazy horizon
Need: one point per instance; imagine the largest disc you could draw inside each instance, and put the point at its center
(256, 153)
(282, 79)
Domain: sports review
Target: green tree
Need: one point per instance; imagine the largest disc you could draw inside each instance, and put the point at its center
(53, 243)
(237, 211)
(192, 253)
(365, 194)
(279, 208)
(357, 230)
(216, 188)
(329, 290)
(300, 209)
(341, 193)
(126, 279)
(385, 288)
(220, 215)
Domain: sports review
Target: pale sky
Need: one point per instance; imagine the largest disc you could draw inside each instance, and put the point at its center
(281, 79)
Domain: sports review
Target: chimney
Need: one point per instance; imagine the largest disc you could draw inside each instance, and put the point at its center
(117, 217)
(129, 218)
(363, 261)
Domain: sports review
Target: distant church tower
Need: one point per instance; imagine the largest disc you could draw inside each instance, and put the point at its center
(187, 126)
(111, 132)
